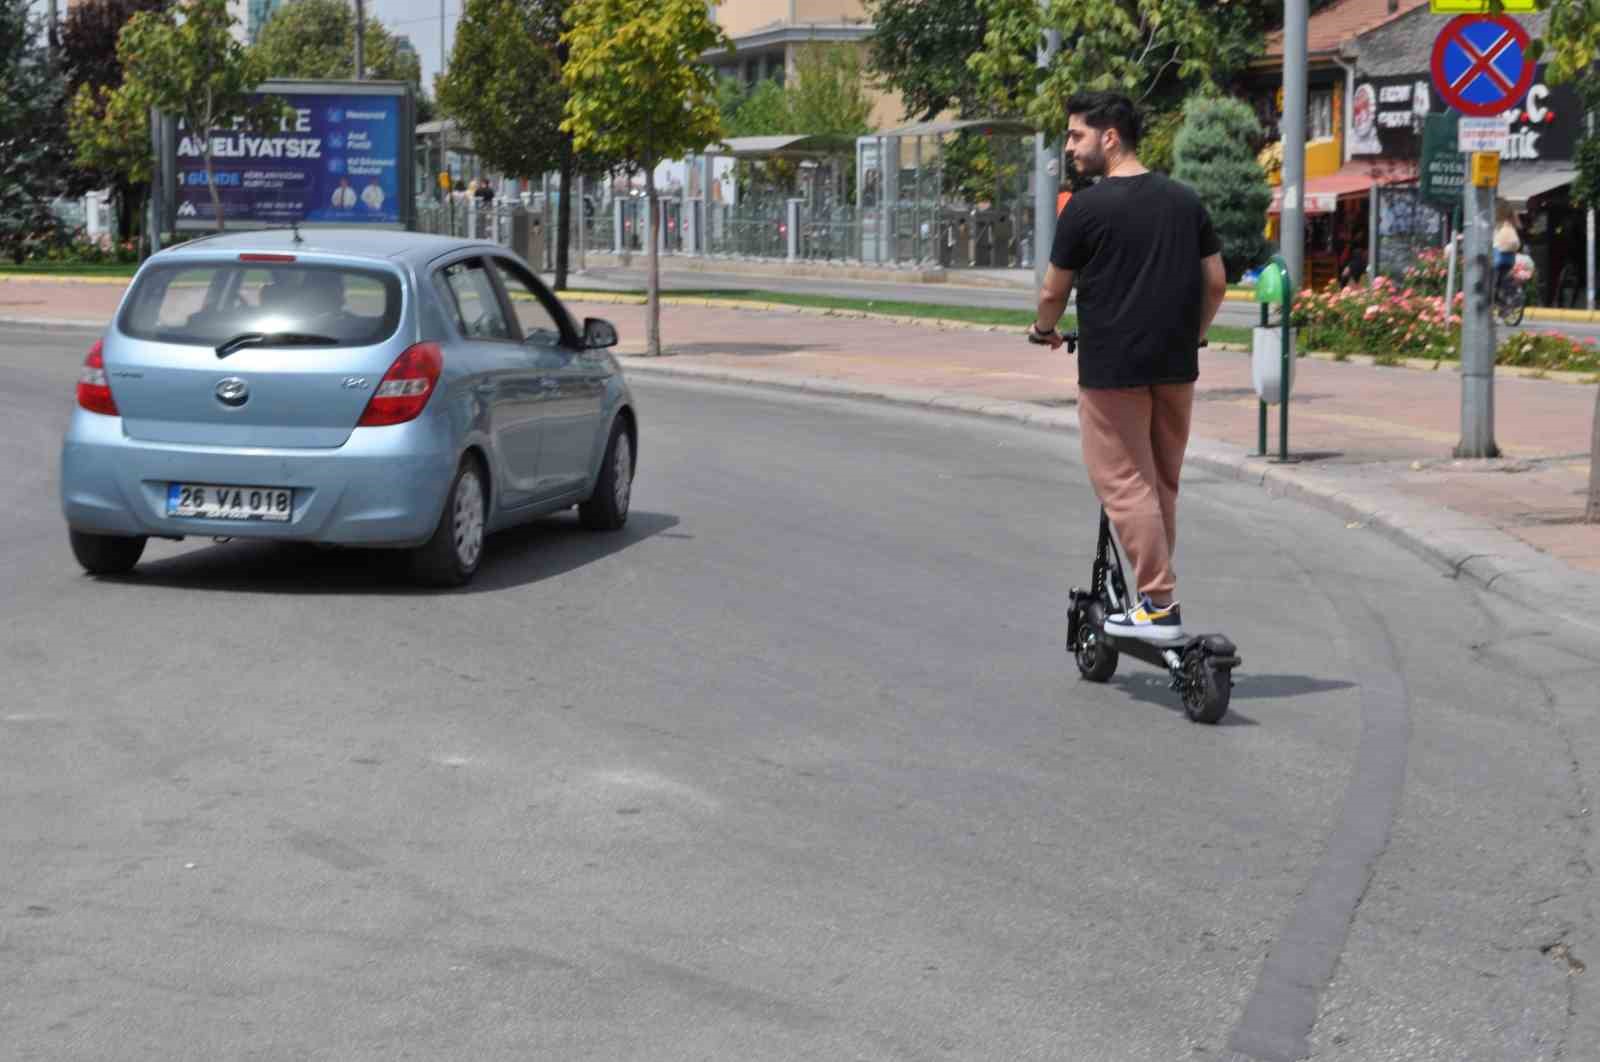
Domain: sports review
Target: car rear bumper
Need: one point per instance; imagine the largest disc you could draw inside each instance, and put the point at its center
(383, 487)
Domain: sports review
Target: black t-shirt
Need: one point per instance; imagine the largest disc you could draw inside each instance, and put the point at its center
(1135, 245)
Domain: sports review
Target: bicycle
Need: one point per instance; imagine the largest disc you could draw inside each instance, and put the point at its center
(1200, 665)
(1510, 299)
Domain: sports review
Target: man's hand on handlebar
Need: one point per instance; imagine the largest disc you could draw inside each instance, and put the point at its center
(1052, 339)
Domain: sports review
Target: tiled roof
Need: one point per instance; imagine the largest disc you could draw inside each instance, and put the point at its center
(1341, 21)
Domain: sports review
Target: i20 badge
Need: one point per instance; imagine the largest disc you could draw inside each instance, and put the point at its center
(355, 383)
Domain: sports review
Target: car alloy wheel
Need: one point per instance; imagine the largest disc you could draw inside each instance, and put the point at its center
(467, 524)
(622, 469)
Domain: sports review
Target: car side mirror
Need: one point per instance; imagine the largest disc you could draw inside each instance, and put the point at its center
(598, 334)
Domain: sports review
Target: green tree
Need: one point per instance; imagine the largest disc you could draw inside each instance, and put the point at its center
(827, 97)
(110, 134)
(919, 48)
(504, 88)
(1215, 155)
(1152, 50)
(1157, 143)
(317, 39)
(33, 145)
(185, 62)
(763, 111)
(638, 91)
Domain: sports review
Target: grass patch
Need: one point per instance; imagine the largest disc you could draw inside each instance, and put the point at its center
(69, 269)
(980, 315)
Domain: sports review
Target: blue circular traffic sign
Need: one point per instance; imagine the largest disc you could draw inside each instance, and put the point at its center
(1481, 64)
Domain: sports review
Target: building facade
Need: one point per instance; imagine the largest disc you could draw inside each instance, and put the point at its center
(767, 35)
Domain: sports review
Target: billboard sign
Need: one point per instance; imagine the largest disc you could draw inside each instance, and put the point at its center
(343, 156)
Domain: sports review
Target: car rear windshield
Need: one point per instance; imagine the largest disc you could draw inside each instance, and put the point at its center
(209, 303)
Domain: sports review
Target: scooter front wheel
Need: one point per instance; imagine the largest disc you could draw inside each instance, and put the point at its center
(1206, 688)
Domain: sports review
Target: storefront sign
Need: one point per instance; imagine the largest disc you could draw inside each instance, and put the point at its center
(1388, 113)
(1387, 117)
(1444, 168)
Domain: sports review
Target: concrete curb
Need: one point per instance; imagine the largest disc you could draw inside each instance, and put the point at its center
(60, 278)
(1453, 542)
(63, 323)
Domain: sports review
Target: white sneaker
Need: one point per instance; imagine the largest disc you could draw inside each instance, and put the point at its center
(1147, 623)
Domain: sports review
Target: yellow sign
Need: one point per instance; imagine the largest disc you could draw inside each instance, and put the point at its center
(1485, 169)
(1479, 7)
(444, 179)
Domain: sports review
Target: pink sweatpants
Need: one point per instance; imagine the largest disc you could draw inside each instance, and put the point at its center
(1133, 444)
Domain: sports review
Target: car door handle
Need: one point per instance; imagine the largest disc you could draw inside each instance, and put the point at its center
(549, 383)
(486, 388)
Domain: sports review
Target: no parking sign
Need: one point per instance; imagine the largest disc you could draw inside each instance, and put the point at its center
(1481, 64)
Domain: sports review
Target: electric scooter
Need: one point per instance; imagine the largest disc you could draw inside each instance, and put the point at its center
(1201, 665)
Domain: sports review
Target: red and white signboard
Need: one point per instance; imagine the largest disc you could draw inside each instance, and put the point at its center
(1483, 134)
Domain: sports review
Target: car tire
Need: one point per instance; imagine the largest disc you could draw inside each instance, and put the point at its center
(451, 557)
(607, 508)
(106, 554)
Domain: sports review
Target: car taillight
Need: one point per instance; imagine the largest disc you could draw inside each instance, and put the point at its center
(94, 393)
(406, 387)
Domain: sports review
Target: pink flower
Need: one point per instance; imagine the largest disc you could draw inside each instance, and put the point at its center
(1372, 311)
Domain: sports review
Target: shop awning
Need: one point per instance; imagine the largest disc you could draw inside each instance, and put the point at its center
(792, 146)
(1522, 181)
(998, 126)
(1322, 194)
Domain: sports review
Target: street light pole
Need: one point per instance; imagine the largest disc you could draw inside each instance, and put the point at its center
(1046, 172)
(1292, 241)
(361, 40)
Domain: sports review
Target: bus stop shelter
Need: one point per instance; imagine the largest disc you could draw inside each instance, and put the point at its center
(917, 203)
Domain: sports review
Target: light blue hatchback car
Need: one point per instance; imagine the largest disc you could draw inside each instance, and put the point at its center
(343, 387)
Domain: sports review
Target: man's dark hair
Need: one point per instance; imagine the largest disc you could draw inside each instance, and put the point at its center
(1108, 110)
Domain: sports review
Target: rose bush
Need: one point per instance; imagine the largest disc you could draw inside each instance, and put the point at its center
(1389, 321)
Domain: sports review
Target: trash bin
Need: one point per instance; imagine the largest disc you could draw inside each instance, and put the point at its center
(527, 237)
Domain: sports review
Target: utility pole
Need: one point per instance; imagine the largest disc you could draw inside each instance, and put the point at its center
(1477, 324)
(1046, 172)
(1292, 242)
(361, 40)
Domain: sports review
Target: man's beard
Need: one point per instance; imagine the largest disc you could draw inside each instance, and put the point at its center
(1090, 165)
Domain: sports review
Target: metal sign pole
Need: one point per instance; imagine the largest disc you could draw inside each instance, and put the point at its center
(1477, 326)
(1296, 23)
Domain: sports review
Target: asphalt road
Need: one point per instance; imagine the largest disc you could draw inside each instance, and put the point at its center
(954, 293)
(793, 768)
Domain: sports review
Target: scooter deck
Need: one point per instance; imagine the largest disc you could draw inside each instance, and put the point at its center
(1219, 646)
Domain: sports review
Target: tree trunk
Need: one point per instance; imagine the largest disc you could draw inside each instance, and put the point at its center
(211, 184)
(128, 202)
(1592, 513)
(564, 221)
(653, 283)
(211, 176)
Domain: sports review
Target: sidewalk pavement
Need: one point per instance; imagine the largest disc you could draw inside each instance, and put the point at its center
(1370, 443)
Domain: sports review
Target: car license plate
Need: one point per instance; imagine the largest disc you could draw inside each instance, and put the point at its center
(210, 501)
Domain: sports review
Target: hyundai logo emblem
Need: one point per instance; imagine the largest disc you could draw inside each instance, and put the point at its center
(233, 391)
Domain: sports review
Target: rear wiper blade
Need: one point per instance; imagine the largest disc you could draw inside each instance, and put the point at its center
(273, 339)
